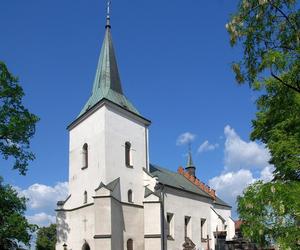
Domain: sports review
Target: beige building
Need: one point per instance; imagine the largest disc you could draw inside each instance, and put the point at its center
(118, 200)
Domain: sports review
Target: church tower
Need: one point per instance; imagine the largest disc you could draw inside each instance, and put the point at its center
(117, 200)
(108, 154)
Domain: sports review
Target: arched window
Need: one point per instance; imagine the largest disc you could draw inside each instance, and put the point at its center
(85, 246)
(85, 156)
(85, 197)
(127, 154)
(130, 196)
(130, 244)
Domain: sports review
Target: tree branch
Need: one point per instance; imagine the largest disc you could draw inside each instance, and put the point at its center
(284, 83)
(284, 15)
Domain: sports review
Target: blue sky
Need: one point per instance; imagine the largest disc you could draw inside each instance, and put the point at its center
(174, 59)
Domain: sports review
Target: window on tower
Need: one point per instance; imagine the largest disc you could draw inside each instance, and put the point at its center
(85, 156)
(128, 154)
(130, 244)
(130, 196)
(85, 197)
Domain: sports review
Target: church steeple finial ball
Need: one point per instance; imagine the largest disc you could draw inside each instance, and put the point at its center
(108, 14)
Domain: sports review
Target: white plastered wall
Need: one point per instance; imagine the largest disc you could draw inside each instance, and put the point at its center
(76, 227)
(118, 130)
(92, 132)
(181, 204)
(226, 214)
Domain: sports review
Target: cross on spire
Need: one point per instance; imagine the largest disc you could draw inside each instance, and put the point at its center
(108, 14)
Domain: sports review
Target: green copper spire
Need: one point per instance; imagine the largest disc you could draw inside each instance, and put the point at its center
(107, 83)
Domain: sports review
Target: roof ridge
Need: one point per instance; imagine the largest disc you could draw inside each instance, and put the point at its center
(194, 180)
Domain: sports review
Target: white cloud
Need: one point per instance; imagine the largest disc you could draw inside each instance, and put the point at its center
(42, 201)
(206, 146)
(230, 185)
(267, 173)
(43, 197)
(242, 159)
(239, 154)
(41, 219)
(185, 138)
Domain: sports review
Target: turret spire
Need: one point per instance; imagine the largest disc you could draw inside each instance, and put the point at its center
(190, 167)
(107, 83)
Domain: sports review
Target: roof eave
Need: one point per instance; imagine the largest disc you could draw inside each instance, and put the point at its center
(101, 103)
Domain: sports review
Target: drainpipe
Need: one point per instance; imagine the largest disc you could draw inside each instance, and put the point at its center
(163, 216)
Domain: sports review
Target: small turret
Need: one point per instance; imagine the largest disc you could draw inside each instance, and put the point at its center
(190, 167)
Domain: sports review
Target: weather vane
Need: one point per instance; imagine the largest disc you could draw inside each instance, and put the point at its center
(108, 7)
(108, 14)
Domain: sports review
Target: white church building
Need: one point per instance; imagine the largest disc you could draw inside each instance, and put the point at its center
(117, 199)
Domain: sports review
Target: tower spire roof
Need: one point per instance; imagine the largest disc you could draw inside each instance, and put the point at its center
(190, 159)
(107, 83)
(190, 167)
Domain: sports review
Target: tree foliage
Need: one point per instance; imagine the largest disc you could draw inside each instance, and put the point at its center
(46, 238)
(270, 212)
(17, 124)
(14, 228)
(269, 33)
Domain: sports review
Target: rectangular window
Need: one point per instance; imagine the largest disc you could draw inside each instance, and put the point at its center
(203, 229)
(170, 222)
(128, 154)
(187, 227)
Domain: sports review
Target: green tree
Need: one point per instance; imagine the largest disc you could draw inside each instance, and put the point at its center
(14, 228)
(46, 238)
(17, 127)
(269, 33)
(17, 124)
(270, 212)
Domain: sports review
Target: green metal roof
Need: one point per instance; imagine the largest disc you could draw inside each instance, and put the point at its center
(107, 83)
(178, 181)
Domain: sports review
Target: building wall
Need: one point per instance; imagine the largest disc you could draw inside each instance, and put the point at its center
(226, 213)
(75, 227)
(119, 129)
(182, 204)
(92, 132)
(106, 131)
(134, 226)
